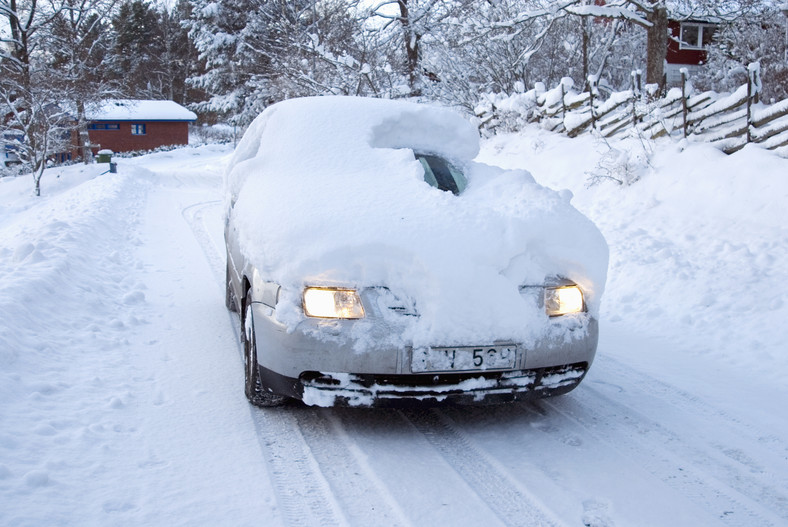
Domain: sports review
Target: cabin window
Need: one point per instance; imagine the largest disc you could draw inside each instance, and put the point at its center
(696, 36)
(103, 126)
(137, 129)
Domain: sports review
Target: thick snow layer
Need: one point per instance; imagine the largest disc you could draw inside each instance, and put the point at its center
(731, 101)
(138, 110)
(771, 111)
(327, 192)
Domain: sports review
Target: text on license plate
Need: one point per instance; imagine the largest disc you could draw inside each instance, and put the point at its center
(463, 359)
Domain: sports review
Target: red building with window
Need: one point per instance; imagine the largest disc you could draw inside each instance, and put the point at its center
(125, 125)
(687, 47)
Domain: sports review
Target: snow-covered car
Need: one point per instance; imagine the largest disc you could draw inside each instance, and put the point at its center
(373, 262)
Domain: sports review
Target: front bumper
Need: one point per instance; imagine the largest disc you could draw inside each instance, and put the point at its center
(331, 389)
(331, 372)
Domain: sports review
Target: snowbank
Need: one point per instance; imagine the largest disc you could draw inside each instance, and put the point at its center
(327, 191)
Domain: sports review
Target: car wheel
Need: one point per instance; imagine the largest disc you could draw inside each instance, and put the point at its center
(254, 389)
(229, 295)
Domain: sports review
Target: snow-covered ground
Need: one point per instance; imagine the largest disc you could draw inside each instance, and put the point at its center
(121, 398)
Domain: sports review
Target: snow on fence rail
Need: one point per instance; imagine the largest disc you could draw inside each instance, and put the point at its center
(728, 122)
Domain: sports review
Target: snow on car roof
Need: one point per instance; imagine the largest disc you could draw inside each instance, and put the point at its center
(138, 110)
(327, 191)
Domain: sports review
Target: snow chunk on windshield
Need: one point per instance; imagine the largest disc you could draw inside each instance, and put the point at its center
(325, 134)
(328, 191)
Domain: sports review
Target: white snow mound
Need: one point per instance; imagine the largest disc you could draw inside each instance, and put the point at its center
(327, 191)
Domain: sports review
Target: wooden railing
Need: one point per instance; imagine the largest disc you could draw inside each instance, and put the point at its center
(729, 122)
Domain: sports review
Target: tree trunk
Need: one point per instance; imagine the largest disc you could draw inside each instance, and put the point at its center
(37, 182)
(411, 39)
(657, 46)
(584, 27)
(83, 137)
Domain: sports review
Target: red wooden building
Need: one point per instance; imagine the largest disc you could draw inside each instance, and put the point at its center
(687, 47)
(125, 125)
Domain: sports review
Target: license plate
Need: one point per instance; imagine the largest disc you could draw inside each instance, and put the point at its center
(481, 358)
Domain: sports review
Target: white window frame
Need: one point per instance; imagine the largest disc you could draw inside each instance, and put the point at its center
(701, 29)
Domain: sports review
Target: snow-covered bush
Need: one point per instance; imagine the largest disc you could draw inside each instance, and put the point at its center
(623, 164)
(220, 133)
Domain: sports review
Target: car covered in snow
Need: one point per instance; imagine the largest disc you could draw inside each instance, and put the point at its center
(373, 262)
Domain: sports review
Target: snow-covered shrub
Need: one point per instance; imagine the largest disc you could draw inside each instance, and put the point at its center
(623, 164)
(499, 112)
(219, 133)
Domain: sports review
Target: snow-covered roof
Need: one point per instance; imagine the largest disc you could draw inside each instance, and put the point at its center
(138, 110)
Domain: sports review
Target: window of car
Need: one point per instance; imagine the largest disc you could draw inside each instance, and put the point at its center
(441, 174)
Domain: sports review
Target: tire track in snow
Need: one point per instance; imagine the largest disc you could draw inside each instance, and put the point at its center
(726, 462)
(730, 494)
(507, 499)
(303, 494)
(195, 216)
(689, 402)
(343, 465)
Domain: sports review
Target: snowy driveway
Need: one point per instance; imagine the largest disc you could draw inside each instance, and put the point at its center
(121, 399)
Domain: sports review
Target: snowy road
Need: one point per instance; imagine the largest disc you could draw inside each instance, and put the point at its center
(125, 406)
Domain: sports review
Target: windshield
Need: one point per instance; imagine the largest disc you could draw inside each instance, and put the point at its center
(440, 174)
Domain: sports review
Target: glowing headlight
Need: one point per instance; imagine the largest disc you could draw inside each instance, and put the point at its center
(323, 302)
(563, 300)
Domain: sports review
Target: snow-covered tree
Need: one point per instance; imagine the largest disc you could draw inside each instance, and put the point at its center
(257, 52)
(758, 37)
(179, 61)
(320, 50)
(416, 28)
(31, 121)
(78, 44)
(151, 55)
(497, 46)
(230, 42)
(535, 23)
(138, 49)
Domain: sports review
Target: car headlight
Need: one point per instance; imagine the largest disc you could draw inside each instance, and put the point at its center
(323, 302)
(563, 300)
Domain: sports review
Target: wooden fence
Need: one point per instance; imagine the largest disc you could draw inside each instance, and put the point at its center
(729, 122)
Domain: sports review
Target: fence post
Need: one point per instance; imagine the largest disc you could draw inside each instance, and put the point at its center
(593, 91)
(563, 101)
(636, 91)
(684, 95)
(753, 92)
(749, 108)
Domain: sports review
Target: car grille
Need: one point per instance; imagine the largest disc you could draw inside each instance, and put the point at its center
(369, 389)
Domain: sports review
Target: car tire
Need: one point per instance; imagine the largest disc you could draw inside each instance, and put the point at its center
(229, 295)
(253, 387)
